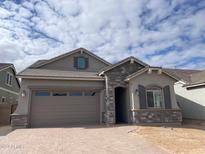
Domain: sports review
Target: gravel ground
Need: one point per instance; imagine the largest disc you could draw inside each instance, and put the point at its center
(188, 139)
(77, 140)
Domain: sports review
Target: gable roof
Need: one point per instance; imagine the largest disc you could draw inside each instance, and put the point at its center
(190, 77)
(122, 62)
(44, 62)
(196, 79)
(4, 66)
(183, 74)
(37, 63)
(152, 68)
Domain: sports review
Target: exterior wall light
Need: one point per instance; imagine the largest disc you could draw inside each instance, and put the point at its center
(136, 91)
(81, 51)
(23, 94)
(131, 61)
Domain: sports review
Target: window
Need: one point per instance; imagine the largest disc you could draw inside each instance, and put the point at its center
(42, 93)
(89, 94)
(154, 98)
(80, 62)
(9, 79)
(3, 99)
(76, 93)
(59, 94)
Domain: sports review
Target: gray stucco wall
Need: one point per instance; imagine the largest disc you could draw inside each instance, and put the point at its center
(67, 63)
(151, 79)
(11, 98)
(150, 115)
(192, 102)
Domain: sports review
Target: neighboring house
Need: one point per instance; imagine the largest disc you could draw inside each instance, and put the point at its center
(9, 90)
(190, 92)
(81, 88)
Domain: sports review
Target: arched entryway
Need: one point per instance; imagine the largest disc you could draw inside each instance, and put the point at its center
(121, 115)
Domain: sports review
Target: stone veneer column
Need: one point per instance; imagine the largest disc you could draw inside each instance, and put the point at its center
(112, 81)
(115, 78)
(109, 103)
(19, 121)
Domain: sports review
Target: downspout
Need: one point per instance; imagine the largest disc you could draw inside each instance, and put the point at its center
(106, 85)
(106, 99)
(133, 107)
(132, 92)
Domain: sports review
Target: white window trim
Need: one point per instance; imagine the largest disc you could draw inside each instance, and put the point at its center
(162, 97)
(10, 74)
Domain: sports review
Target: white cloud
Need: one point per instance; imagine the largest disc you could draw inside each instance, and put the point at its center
(114, 29)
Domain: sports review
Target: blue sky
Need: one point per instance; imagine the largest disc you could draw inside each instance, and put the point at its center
(167, 33)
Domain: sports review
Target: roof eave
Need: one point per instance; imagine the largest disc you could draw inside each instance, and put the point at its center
(61, 78)
(136, 74)
(145, 69)
(72, 52)
(194, 85)
(12, 66)
(121, 62)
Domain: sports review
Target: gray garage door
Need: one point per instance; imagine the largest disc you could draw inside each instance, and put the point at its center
(50, 108)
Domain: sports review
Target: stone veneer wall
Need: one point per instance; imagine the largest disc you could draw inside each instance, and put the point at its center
(115, 78)
(19, 121)
(157, 116)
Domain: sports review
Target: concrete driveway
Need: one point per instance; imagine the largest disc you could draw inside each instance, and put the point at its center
(77, 140)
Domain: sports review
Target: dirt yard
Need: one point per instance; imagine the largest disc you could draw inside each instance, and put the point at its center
(187, 139)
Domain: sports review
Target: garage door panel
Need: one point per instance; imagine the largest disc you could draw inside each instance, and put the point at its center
(67, 104)
(62, 121)
(66, 107)
(64, 110)
(69, 115)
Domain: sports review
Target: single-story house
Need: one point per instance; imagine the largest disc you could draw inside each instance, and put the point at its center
(79, 87)
(9, 91)
(190, 92)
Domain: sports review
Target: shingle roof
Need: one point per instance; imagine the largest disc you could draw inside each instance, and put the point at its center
(197, 78)
(188, 76)
(58, 74)
(34, 65)
(4, 65)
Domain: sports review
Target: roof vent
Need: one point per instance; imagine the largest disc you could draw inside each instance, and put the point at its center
(81, 51)
(131, 61)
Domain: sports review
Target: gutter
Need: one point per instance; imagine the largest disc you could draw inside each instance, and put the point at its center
(62, 78)
(194, 85)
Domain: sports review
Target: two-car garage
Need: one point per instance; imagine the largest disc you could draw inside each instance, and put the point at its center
(63, 108)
